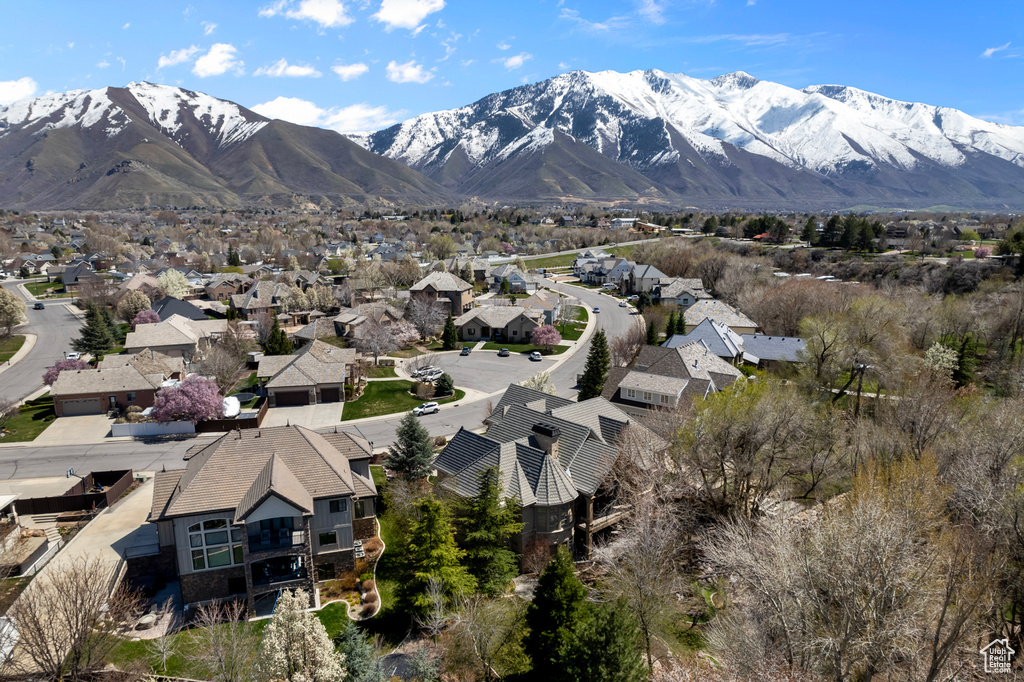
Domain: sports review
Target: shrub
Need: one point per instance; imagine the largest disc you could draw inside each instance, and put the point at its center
(440, 442)
(424, 390)
(368, 585)
(367, 610)
(370, 598)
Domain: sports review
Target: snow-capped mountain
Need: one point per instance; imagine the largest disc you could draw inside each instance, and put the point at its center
(148, 144)
(732, 139)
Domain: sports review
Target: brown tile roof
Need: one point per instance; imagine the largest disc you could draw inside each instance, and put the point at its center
(316, 363)
(83, 381)
(146, 361)
(274, 479)
(219, 476)
(442, 281)
(348, 444)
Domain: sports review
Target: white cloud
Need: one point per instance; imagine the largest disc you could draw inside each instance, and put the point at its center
(177, 57)
(409, 72)
(348, 72)
(652, 11)
(467, 62)
(221, 58)
(406, 13)
(209, 27)
(564, 66)
(503, 46)
(122, 62)
(327, 13)
(71, 46)
(992, 50)
(273, 9)
(12, 91)
(103, 64)
(127, 26)
(609, 24)
(515, 61)
(282, 69)
(750, 40)
(351, 119)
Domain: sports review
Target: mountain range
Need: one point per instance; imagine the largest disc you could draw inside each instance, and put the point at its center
(154, 145)
(731, 141)
(644, 137)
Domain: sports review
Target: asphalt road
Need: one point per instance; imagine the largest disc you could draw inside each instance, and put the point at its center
(54, 327)
(28, 461)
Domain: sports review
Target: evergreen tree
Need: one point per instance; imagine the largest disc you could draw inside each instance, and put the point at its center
(505, 287)
(606, 647)
(96, 335)
(433, 555)
(681, 322)
(444, 385)
(652, 334)
(449, 336)
(234, 259)
(361, 664)
(644, 301)
(486, 523)
(810, 231)
(412, 451)
(595, 372)
(467, 273)
(278, 342)
(557, 606)
(670, 325)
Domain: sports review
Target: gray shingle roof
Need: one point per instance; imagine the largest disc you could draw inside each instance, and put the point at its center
(521, 395)
(720, 339)
(313, 364)
(496, 316)
(784, 348)
(112, 380)
(718, 311)
(442, 281)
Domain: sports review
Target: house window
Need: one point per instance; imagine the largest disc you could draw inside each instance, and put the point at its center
(330, 538)
(131, 397)
(471, 331)
(339, 506)
(647, 396)
(213, 544)
(664, 400)
(360, 509)
(515, 332)
(630, 392)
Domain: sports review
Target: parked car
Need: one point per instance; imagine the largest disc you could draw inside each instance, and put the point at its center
(465, 350)
(634, 297)
(597, 310)
(38, 305)
(74, 355)
(432, 376)
(503, 353)
(535, 356)
(424, 370)
(426, 408)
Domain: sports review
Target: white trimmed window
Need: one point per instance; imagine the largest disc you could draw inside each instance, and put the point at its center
(630, 392)
(211, 544)
(648, 396)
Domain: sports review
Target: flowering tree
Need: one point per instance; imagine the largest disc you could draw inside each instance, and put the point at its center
(192, 400)
(405, 333)
(133, 303)
(982, 252)
(547, 337)
(51, 373)
(144, 317)
(296, 646)
(173, 283)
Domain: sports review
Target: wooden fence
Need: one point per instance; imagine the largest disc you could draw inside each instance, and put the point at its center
(112, 485)
(223, 425)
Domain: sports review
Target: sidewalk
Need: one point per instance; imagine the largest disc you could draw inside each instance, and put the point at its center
(26, 348)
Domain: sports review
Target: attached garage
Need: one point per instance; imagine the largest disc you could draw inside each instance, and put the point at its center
(285, 398)
(330, 395)
(78, 406)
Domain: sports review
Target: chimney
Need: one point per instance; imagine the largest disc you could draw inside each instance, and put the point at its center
(547, 437)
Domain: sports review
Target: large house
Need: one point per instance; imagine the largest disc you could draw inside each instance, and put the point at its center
(505, 323)
(97, 391)
(719, 312)
(316, 373)
(555, 457)
(176, 336)
(453, 291)
(261, 510)
(684, 292)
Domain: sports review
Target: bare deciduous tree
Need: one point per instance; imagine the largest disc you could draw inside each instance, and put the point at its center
(491, 625)
(166, 645)
(426, 315)
(221, 365)
(227, 644)
(624, 348)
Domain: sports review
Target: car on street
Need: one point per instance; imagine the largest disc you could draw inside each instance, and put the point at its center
(424, 370)
(38, 305)
(465, 350)
(535, 356)
(426, 408)
(597, 310)
(432, 376)
(503, 353)
(622, 304)
(74, 355)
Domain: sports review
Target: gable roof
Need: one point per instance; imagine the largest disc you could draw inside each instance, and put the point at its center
(146, 361)
(720, 312)
(783, 348)
(691, 361)
(496, 316)
(112, 380)
(275, 479)
(315, 363)
(441, 281)
(521, 395)
(168, 306)
(719, 339)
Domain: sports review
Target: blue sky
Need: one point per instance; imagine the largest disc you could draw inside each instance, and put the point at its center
(358, 65)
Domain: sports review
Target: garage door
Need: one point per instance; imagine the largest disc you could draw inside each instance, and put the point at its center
(284, 398)
(82, 406)
(330, 395)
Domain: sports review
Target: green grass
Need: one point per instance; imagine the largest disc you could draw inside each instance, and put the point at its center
(379, 478)
(551, 261)
(387, 397)
(390, 623)
(335, 341)
(581, 314)
(572, 332)
(373, 372)
(405, 353)
(10, 346)
(39, 288)
(245, 384)
(31, 420)
(524, 348)
(183, 663)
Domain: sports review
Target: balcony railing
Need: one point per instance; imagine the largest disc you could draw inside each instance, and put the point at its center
(270, 540)
(273, 577)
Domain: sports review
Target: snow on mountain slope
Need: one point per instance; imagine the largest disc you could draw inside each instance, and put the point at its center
(629, 117)
(166, 107)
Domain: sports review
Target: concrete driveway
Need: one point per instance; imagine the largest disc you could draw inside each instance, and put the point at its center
(90, 428)
(311, 416)
(484, 371)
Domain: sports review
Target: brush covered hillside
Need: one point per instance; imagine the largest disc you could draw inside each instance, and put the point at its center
(155, 145)
(732, 141)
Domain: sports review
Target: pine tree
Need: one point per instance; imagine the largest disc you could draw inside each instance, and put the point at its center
(595, 372)
(234, 259)
(670, 325)
(652, 334)
(361, 663)
(278, 342)
(606, 647)
(486, 523)
(467, 273)
(96, 335)
(449, 336)
(412, 451)
(681, 322)
(557, 606)
(433, 555)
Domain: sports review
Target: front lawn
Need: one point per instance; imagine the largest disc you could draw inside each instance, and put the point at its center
(32, 419)
(524, 348)
(39, 288)
(374, 372)
(387, 397)
(10, 346)
(406, 353)
(379, 477)
(184, 663)
(572, 332)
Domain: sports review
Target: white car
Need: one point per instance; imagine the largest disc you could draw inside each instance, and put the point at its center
(432, 376)
(424, 370)
(535, 356)
(622, 304)
(426, 408)
(74, 355)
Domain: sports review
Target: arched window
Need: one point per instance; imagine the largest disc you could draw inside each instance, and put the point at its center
(212, 544)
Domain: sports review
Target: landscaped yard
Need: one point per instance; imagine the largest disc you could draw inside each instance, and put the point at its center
(10, 346)
(245, 384)
(379, 477)
(572, 332)
(392, 625)
(374, 372)
(387, 397)
(32, 419)
(335, 341)
(184, 663)
(524, 348)
(405, 353)
(39, 288)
